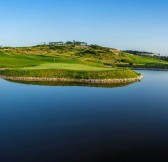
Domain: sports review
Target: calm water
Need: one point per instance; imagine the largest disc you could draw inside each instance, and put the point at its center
(73, 124)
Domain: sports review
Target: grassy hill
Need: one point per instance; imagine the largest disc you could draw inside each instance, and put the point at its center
(93, 55)
(83, 61)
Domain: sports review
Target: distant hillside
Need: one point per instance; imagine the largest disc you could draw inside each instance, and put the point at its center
(144, 53)
(77, 52)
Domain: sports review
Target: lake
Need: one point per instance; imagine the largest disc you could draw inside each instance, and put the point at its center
(77, 123)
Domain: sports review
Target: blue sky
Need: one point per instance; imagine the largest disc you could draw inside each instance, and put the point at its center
(122, 24)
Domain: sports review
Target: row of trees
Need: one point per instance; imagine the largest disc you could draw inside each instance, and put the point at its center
(76, 43)
(165, 58)
(139, 53)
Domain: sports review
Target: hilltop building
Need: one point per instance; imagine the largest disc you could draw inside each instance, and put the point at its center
(56, 43)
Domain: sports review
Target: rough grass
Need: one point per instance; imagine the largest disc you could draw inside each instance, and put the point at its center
(116, 73)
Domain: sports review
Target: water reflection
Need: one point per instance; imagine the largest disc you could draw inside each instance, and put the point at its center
(85, 124)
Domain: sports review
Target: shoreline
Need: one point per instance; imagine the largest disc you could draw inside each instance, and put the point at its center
(68, 80)
(152, 69)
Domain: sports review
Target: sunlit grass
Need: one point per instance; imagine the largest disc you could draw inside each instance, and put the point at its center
(66, 66)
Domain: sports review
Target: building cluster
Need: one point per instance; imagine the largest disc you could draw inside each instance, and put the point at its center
(77, 43)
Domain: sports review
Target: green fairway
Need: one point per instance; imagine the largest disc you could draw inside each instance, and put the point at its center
(15, 61)
(9, 60)
(66, 66)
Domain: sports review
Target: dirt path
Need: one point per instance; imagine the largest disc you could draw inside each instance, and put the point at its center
(1, 69)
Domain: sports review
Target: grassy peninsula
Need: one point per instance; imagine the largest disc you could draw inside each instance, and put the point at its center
(73, 61)
(73, 74)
